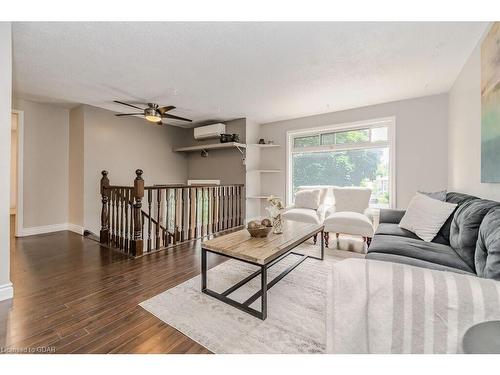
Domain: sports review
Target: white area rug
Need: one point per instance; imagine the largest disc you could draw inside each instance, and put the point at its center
(296, 318)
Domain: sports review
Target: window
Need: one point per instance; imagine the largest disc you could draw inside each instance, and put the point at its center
(350, 155)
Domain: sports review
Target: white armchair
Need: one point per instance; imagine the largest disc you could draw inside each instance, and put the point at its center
(308, 215)
(350, 213)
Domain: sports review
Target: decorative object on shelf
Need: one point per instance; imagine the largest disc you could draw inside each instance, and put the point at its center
(262, 141)
(270, 142)
(275, 210)
(259, 229)
(224, 138)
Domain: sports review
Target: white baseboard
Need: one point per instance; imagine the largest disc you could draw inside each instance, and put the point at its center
(75, 228)
(51, 228)
(6, 291)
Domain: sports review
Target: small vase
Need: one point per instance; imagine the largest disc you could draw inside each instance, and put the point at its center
(277, 225)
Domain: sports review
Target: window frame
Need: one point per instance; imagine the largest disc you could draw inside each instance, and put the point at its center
(389, 122)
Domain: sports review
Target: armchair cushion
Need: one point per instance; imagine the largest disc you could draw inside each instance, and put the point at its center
(302, 215)
(355, 199)
(348, 222)
(322, 188)
(308, 199)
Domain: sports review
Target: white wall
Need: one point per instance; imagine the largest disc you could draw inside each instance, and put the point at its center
(465, 132)
(122, 145)
(76, 167)
(45, 164)
(13, 164)
(421, 143)
(6, 290)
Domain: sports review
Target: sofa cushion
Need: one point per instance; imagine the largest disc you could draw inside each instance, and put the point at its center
(349, 223)
(302, 215)
(425, 216)
(465, 227)
(439, 195)
(443, 235)
(415, 248)
(389, 229)
(487, 255)
(414, 262)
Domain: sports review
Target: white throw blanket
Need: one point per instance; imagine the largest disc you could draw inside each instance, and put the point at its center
(384, 307)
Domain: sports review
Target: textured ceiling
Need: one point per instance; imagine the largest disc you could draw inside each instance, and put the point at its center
(217, 71)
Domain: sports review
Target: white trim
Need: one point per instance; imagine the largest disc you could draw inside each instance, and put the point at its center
(6, 291)
(75, 229)
(390, 122)
(52, 228)
(20, 173)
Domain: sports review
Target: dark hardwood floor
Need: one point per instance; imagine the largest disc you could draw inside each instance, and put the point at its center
(75, 296)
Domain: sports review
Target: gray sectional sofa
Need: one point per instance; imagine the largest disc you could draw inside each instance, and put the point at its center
(469, 241)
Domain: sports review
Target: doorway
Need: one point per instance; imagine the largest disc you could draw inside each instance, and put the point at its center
(16, 173)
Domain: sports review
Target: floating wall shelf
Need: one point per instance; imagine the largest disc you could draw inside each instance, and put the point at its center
(213, 146)
(263, 145)
(266, 170)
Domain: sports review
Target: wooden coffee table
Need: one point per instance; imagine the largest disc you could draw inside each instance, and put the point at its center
(261, 252)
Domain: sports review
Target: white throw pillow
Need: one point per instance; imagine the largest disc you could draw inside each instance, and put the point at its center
(308, 199)
(425, 216)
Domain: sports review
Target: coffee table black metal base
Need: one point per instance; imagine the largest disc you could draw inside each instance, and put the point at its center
(264, 285)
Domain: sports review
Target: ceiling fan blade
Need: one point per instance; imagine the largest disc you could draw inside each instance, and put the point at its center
(165, 109)
(127, 104)
(166, 115)
(129, 114)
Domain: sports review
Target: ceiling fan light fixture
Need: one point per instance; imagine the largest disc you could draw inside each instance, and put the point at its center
(152, 115)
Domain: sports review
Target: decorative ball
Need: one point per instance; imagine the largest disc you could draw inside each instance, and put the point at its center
(266, 223)
(253, 225)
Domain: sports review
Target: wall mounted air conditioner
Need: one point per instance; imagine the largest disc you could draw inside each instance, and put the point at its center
(209, 131)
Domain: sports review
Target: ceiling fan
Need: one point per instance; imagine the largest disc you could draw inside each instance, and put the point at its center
(153, 112)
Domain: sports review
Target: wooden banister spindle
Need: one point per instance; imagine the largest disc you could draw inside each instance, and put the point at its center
(210, 209)
(158, 202)
(240, 203)
(122, 216)
(137, 242)
(150, 193)
(112, 212)
(231, 190)
(183, 214)
(127, 226)
(104, 233)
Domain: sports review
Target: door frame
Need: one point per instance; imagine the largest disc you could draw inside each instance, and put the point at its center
(20, 174)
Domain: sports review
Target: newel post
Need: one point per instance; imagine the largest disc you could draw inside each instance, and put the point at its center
(104, 234)
(136, 243)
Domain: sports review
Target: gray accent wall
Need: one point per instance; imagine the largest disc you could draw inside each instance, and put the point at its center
(122, 145)
(421, 142)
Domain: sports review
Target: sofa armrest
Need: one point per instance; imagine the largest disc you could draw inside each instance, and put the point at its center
(391, 216)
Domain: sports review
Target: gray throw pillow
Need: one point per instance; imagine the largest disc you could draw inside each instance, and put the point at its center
(439, 195)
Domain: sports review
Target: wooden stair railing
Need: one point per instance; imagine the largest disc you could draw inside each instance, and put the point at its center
(171, 214)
